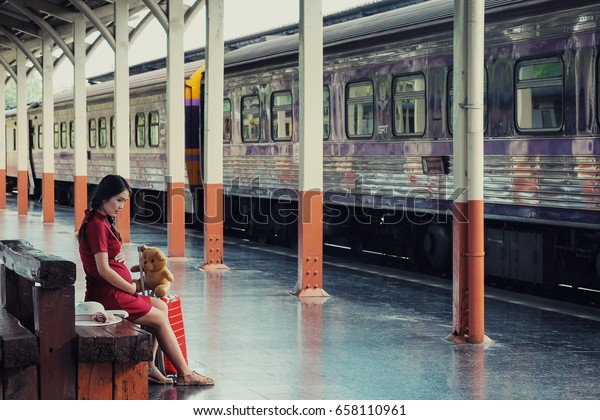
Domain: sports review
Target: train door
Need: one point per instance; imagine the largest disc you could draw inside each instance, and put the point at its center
(30, 161)
(194, 138)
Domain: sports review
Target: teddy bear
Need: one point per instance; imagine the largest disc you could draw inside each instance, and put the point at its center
(157, 275)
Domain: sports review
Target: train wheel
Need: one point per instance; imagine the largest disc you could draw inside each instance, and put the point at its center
(71, 195)
(437, 244)
(261, 221)
(261, 234)
(291, 234)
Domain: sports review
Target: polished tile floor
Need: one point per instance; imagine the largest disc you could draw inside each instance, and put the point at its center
(379, 336)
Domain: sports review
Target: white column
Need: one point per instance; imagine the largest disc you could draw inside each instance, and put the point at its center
(475, 73)
(175, 93)
(80, 102)
(460, 323)
(22, 146)
(213, 138)
(48, 106)
(121, 133)
(311, 95)
(475, 69)
(175, 131)
(22, 133)
(48, 129)
(122, 149)
(310, 191)
(80, 112)
(213, 116)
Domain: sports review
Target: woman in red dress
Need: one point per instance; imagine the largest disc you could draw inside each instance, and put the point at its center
(108, 280)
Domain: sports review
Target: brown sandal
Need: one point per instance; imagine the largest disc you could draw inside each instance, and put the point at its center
(155, 376)
(194, 379)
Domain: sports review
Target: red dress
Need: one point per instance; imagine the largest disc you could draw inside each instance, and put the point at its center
(100, 238)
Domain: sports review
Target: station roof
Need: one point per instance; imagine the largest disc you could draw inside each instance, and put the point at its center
(24, 22)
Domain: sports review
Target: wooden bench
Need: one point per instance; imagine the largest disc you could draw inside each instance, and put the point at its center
(113, 362)
(38, 290)
(19, 360)
(37, 296)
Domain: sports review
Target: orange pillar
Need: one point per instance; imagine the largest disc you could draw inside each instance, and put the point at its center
(23, 193)
(124, 222)
(176, 219)
(80, 199)
(213, 136)
(460, 285)
(213, 227)
(476, 272)
(2, 188)
(310, 244)
(48, 197)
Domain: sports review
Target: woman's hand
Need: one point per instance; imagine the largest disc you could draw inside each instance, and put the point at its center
(120, 257)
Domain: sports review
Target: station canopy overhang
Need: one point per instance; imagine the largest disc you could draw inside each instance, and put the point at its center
(23, 23)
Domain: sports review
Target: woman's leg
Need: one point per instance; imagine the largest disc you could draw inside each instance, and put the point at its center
(155, 374)
(158, 321)
(158, 304)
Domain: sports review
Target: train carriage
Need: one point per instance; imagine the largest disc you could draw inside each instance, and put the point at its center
(388, 104)
(388, 99)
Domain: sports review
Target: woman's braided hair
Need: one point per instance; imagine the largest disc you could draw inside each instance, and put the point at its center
(109, 186)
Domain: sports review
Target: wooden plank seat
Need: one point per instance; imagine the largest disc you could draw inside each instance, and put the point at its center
(19, 360)
(113, 361)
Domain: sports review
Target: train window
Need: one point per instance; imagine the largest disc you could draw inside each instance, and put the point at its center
(326, 113)
(112, 131)
(409, 105)
(92, 133)
(359, 109)
(226, 120)
(281, 116)
(153, 129)
(539, 95)
(140, 130)
(102, 132)
(56, 136)
(40, 137)
(72, 134)
(250, 118)
(451, 100)
(63, 135)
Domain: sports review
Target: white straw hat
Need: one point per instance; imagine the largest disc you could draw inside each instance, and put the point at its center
(90, 314)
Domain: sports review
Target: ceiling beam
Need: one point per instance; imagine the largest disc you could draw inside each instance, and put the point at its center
(19, 44)
(49, 8)
(45, 26)
(8, 20)
(8, 68)
(96, 21)
(158, 13)
(191, 13)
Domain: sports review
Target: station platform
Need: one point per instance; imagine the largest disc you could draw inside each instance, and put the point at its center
(379, 336)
